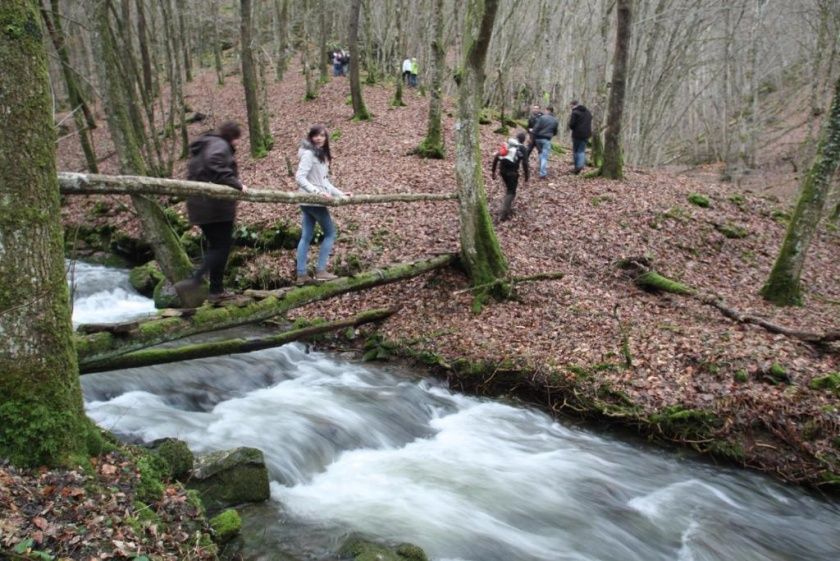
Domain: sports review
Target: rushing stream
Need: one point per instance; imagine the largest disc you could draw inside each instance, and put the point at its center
(383, 451)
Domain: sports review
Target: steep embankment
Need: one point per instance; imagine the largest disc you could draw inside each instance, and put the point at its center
(592, 341)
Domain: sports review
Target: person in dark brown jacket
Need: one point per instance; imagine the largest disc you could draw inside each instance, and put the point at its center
(211, 161)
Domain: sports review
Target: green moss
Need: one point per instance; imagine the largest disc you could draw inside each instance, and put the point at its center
(178, 457)
(158, 327)
(830, 381)
(732, 231)
(680, 422)
(411, 552)
(33, 433)
(778, 374)
(92, 344)
(699, 200)
(431, 150)
(741, 376)
(152, 470)
(652, 280)
(738, 200)
(780, 216)
(226, 525)
(145, 278)
(727, 449)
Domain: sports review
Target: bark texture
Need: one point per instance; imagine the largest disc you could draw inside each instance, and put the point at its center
(149, 357)
(360, 112)
(480, 251)
(41, 416)
(613, 166)
(783, 287)
(260, 140)
(92, 184)
(433, 145)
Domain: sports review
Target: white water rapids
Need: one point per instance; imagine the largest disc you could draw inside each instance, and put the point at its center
(382, 451)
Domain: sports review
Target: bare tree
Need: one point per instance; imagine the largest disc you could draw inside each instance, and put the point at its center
(42, 419)
(480, 250)
(260, 139)
(613, 166)
(360, 112)
(433, 145)
(783, 287)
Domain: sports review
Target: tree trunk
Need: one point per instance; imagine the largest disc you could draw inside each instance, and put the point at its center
(145, 58)
(324, 58)
(783, 286)
(398, 92)
(91, 184)
(260, 140)
(281, 16)
(149, 357)
(613, 166)
(52, 21)
(217, 43)
(170, 255)
(181, 6)
(433, 145)
(360, 112)
(105, 346)
(42, 419)
(480, 251)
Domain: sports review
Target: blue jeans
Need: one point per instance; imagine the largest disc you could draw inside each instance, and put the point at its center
(337, 69)
(545, 149)
(311, 215)
(579, 150)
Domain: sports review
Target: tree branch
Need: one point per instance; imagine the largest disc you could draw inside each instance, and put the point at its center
(94, 184)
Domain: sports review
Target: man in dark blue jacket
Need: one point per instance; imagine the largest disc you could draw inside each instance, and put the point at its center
(211, 161)
(580, 123)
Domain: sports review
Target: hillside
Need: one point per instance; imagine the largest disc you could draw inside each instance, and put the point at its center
(694, 376)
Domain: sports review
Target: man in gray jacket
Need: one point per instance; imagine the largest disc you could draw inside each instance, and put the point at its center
(543, 131)
(211, 161)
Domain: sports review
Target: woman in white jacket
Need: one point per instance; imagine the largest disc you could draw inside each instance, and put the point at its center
(313, 177)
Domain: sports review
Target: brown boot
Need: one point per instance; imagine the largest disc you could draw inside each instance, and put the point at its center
(323, 276)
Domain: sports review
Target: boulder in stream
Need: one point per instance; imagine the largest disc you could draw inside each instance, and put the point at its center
(360, 549)
(230, 477)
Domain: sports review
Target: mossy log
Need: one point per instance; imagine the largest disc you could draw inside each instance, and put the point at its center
(148, 357)
(96, 184)
(649, 279)
(97, 347)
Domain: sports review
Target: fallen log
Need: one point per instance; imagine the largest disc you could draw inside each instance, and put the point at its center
(96, 184)
(649, 279)
(148, 357)
(103, 345)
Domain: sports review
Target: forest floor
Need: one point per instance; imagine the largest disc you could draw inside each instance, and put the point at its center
(665, 361)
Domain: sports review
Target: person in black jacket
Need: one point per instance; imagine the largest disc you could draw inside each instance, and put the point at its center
(580, 123)
(211, 161)
(514, 155)
(543, 131)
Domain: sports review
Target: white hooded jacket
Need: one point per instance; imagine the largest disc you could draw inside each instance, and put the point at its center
(313, 175)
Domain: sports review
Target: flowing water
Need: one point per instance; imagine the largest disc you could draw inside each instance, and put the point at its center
(386, 452)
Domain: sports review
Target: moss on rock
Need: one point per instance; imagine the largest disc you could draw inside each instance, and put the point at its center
(230, 477)
(144, 278)
(360, 549)
(226, 525)
(178, 457)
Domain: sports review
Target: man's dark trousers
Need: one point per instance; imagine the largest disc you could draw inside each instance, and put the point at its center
(219, 236)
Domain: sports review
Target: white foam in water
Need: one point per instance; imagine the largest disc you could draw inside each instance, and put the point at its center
(358, 449)
(104, 295)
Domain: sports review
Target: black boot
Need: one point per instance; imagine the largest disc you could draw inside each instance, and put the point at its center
(507, 207)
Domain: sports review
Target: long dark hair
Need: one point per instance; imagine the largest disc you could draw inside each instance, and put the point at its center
(323, 154)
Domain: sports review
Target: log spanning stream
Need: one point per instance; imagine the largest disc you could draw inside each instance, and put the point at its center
(387, 452)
